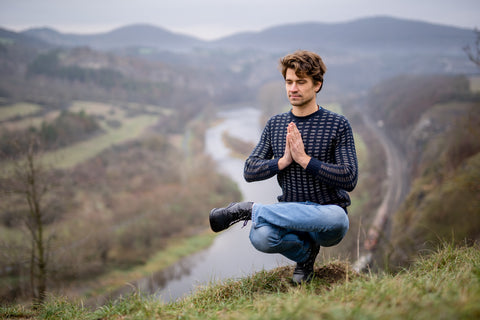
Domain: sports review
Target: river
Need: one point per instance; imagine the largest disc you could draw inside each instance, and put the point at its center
(231, 255)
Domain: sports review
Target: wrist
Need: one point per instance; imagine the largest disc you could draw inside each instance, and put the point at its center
(283, 163)
(304, 161)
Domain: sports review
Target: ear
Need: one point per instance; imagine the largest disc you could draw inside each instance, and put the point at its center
(318, 86)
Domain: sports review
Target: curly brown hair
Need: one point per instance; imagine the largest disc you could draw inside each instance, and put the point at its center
(306, 64)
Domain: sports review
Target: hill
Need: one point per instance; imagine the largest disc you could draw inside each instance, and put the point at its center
(435, 121)
(358, 53)
(372, 35)
(139, 35)
(9, 37)
(368, 35)
(443, 285)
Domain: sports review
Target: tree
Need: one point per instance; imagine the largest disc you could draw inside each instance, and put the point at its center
(27, 187)
(474, 53)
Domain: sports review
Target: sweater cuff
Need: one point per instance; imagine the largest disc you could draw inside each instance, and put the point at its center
(273, 165)
(313, 166)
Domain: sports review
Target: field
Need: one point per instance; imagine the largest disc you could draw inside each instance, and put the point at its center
(475, 84)
(119, 125)
(68, 157)
(18, 110)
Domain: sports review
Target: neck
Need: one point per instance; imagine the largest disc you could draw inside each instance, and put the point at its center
(303, 111)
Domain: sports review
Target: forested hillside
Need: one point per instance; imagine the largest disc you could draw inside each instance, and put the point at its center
(436, 121)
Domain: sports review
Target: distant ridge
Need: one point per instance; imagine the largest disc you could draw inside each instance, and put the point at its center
(365, 34)
(138, 35)
(21, 38)
(374, 34)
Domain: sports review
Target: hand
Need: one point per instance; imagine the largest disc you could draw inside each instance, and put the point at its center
(296, 146)
(287, 159)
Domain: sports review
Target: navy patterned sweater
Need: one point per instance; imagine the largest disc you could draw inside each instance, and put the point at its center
(332, 171)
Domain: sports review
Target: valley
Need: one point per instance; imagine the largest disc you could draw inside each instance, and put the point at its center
(117, 138)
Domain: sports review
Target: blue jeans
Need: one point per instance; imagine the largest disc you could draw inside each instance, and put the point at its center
(288, 228)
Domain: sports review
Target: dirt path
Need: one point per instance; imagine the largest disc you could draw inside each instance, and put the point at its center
(397, 187)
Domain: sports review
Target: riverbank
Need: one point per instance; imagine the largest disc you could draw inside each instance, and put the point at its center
(117, 282)
(187, 263)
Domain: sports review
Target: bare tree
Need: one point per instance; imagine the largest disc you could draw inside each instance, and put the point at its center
(28, 186)
(474, 53)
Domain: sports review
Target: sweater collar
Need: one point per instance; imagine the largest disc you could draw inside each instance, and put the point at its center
(311, 115)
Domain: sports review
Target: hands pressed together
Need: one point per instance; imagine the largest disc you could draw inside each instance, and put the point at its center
(294, 149)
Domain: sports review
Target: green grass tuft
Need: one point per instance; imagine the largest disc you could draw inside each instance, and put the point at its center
(442, 285)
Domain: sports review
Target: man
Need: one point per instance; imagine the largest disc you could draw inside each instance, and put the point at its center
(311, 151)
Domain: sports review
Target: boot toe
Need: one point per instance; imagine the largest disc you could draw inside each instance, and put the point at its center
(217, 224)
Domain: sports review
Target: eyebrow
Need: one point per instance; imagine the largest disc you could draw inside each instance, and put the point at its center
(297, 80)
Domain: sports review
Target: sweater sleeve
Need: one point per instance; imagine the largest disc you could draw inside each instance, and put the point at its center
(344, 172)
(260, 165)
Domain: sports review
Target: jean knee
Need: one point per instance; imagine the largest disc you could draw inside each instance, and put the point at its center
(264, 239)
(335, 235)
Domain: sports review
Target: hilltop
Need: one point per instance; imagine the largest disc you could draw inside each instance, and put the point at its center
(132, 35)
(115, 121)
(445, 284)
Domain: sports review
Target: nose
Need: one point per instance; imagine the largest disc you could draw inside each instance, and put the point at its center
(293, 87)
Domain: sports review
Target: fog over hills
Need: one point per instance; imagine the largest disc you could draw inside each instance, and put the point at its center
(364, 35)
(381, 33)
(128, 36)
(358, 53)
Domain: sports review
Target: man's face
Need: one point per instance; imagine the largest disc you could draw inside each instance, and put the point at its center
(301, 91)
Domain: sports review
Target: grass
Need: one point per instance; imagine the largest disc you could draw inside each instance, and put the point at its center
(27, 122)
(131, 128)
(443, 285)
(475, 84)
(18, 110)
(114, 112)
(70, 156)
(98, 109)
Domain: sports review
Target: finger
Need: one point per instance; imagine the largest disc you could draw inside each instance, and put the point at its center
(295, 129)
(291, 141)
(296, 133)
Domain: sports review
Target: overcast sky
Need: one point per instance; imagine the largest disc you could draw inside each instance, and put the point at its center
(210, 19)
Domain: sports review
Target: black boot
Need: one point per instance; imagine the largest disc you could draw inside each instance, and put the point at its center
(304, 271)
(222, 218)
